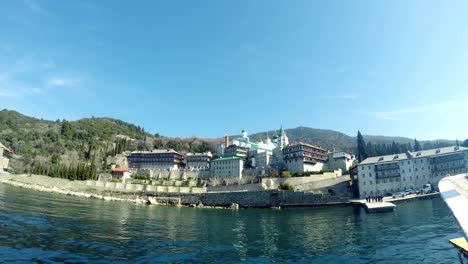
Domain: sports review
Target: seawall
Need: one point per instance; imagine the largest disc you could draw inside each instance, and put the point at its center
(247, 199)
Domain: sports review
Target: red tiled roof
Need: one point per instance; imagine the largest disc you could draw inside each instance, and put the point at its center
(121, 169)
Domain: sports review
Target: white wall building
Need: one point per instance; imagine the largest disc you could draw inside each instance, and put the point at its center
(227, 167)
(340, 160)
(163, 159)
(392, 173)
(303, 157)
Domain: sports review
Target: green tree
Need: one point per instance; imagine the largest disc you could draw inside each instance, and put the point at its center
(55, 159)
(285, 187)
(417, 145)
(67, 130)
(409, 147)
(361, 147)
(465, 143)
(286, 174)
(371, 150)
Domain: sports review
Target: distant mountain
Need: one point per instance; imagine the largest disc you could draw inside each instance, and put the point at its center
(330, 139)
(325, 138)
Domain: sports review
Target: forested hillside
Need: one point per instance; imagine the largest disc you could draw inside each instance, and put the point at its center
(38, 144)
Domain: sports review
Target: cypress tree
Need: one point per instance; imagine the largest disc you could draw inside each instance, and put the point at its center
(361, 145)
(417, 146)
(465, 143)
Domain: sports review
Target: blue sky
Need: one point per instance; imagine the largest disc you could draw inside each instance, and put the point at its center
(210, 68)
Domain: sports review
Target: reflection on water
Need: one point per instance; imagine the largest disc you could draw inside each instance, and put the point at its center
(55, 228)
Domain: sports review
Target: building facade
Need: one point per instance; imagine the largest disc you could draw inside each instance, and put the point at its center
(410, 170)
(227, 167)
(303, 157)
(5, 153)
(156, 159)
(120, 173)
(340, 160)
(199, 161)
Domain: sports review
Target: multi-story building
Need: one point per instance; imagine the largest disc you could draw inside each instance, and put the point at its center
(340, 160)
(227, 167)
(261, 152)
(156, 159)
(303, 157)
(4, 155)
(236, 151)
(199, 160)
(391, 173)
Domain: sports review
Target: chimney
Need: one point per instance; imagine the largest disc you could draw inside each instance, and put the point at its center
(226, 141)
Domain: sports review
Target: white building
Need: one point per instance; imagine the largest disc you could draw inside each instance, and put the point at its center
(340, 160)
(391, 173)
(262, 153)
(303, 157)
(162, 159)
(227, 167)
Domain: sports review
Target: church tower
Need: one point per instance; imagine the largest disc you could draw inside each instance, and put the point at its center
(283, 138)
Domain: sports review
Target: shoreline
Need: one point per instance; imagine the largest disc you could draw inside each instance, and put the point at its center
(56, 190)
(272, 199)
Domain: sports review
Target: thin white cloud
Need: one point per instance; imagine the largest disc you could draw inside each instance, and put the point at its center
(402, 114)
(63, 82)
(25, 77)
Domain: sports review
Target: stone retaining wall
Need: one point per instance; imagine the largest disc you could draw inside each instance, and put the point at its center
(235, 188)
(187, 195)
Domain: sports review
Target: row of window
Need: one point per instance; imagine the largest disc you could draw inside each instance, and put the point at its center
(226, 167)
(397, 179)
(153, 155)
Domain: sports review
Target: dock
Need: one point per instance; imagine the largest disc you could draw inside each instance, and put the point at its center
(375, 207)
(379, 207)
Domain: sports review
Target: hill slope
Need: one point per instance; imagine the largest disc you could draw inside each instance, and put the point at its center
(90, 140)
(330, 139)
(87, 140)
